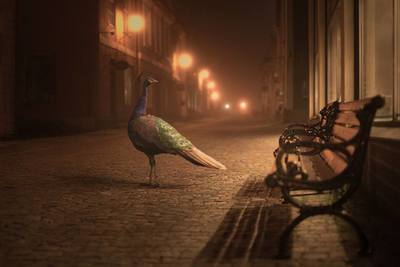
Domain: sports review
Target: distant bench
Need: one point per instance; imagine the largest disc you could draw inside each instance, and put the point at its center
(319, 166)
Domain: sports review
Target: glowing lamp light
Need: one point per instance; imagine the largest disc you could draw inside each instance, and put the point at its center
(211, 85)
(185, 60)
(243, 105)
(135, 23)
(204, 74)
(227, 106)
(215, 96)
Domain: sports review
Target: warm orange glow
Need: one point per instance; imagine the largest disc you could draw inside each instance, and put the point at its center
(211, 85)
(214, 96)
(227, 106)
(119, 23)
(243, 105)
(204, 74)
(185, 60)
(135, 23)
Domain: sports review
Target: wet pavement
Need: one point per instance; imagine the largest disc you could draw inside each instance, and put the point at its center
(83, 200)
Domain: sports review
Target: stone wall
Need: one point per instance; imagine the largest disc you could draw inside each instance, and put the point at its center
(382, 174)
(7, 66)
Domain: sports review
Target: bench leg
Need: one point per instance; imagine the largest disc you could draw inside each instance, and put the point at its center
(365, 248)
(284, 250)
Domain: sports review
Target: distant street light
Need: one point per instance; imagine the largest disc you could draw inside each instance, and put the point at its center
(215, 96)
(211, 85)
(135, 23)
(227, 106)
(204, 74)
(185, 60)
(243, 105)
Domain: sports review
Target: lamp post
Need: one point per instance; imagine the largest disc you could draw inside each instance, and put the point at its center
(203, 75)
(211, 85)
(136, 24)
(184, 61)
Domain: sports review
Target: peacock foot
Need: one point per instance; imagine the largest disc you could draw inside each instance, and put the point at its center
(153, 183)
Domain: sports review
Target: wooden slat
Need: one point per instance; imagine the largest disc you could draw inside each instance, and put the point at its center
(335, 162)
(348, 118)
(320, 169)
(351, 149)
(343, 132)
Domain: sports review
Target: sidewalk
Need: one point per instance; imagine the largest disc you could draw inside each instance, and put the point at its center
(82, 200)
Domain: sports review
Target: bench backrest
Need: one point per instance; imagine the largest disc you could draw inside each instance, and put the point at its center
(351, 129)
(328, 115)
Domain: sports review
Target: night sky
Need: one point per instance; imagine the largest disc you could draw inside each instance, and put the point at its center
(231, 37)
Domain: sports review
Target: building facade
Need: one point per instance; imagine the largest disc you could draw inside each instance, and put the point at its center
(76, 67)
(7, 66)
(353, 53)
(285, 89)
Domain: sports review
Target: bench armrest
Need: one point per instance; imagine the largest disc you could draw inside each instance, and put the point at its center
(293, 135)
(287, 171)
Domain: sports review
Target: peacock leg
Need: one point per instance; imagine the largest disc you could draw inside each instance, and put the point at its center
(151, 161)
(154, 173)
(153, 164)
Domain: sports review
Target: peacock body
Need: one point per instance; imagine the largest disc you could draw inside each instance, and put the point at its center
(152, 135)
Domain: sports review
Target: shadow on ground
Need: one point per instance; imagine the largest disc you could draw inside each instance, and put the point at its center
(115, 183)
(252, 229)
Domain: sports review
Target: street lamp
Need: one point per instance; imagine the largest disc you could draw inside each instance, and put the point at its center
(211, 85)
(204, 74)
(215, 96)
(243, 105)
(136, 24)
(227, 106)
(185, 60)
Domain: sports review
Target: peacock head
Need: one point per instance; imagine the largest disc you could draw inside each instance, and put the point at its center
(148, 81)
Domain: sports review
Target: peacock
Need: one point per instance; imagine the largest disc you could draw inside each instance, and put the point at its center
(152, 135)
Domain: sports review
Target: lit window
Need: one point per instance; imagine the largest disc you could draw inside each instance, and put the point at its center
(378, 64)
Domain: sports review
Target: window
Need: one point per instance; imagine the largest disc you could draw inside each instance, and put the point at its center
(378, 54)
(335, 55)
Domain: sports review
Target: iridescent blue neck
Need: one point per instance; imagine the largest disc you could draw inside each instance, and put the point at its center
(141, 105)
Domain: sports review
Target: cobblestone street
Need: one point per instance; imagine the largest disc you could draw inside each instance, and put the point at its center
(82, 200)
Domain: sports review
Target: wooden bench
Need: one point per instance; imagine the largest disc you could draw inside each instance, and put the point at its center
(319, 166)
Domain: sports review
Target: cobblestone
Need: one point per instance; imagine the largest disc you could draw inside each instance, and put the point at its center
(83, 201)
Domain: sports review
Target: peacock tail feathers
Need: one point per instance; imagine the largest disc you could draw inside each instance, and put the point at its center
(170, 137)
(198, 157)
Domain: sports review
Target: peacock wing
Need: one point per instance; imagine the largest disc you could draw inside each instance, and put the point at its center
(143, 131)
(170, 139)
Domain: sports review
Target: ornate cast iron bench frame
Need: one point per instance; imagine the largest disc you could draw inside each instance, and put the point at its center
(337, 143)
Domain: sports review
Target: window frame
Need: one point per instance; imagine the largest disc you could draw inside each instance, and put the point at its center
(394, 118)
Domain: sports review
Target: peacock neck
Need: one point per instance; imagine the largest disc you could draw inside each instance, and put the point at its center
(141, 105)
